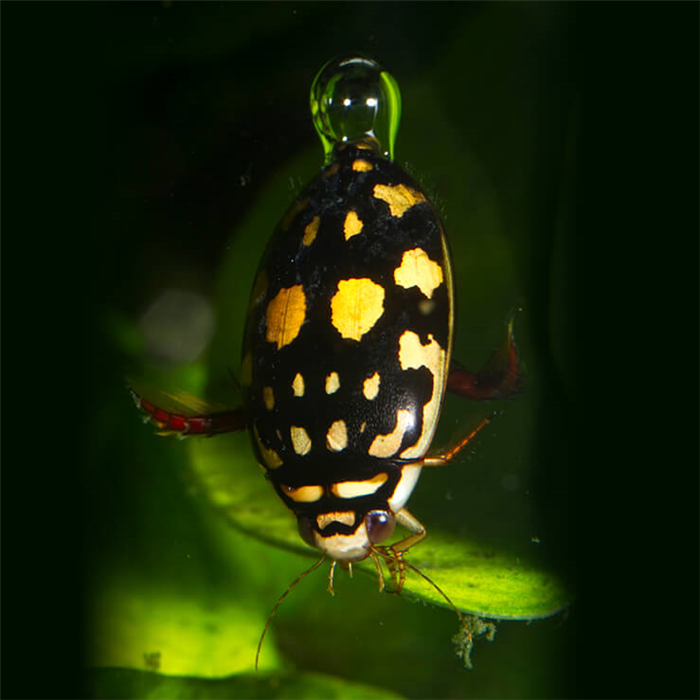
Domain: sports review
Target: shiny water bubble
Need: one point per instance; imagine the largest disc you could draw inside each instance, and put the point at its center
(353, 99)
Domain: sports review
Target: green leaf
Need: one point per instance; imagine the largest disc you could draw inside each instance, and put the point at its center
(477, 577)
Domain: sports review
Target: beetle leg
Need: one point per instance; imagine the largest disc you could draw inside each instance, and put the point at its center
(443, 458)
(181, 425)
(378, 565)
(397, 569)
(413, 525)
(394, 553)
(499, 378)
(330, 578)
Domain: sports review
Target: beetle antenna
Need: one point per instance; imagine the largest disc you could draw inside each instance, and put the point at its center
(436, 587)
(279, 602)
(458, 612)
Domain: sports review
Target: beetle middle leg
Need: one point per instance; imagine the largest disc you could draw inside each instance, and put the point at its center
(444, 457)
(499, 378)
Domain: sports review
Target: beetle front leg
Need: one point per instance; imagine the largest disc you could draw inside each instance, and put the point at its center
(394, 553)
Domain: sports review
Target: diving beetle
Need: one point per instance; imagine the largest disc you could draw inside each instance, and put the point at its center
(348, 344)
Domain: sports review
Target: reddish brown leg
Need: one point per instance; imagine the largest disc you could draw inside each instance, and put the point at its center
(181, 425)
(446, 456)
(499, 378)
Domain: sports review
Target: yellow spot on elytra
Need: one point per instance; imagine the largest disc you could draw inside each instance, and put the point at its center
(247, 370)
(414, 355)
(370, 387)
(325, 519)
(387, 445)
(352, 225)
(271, 459)
(296, 207)
(298, 385)
(285, 315)
(303, 494)
(300, 440)
(356, 307)
(332, 383)
(363, 425)
(362, 166)
(418, 270)
(311, 230)
(356, 489)
(337, 436)
(268, 397)
(399, 197)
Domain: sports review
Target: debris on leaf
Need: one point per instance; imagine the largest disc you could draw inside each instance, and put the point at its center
(473, 628)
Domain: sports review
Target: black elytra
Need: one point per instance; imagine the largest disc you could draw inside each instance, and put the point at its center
(312, 253)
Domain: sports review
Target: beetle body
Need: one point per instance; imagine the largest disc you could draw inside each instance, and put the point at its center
(347, 347)
(348, 341)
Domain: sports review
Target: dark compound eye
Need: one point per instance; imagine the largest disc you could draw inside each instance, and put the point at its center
(380, 525)
(306, 530)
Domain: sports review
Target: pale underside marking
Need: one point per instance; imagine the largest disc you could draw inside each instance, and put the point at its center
(352, 226)
(268, 397)
(354, 547)
(300, 440)
(407, 482)
(370, 387)
(271, 459)
(357, 489)
(414, 355)
(388, 445)
(332, 383)
(303, 494)
(356, 307)
(298, 385)
(285, 315)
(418, 270)
(337, 436)
(346, 517)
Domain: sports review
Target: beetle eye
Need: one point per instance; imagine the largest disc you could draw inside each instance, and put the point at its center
(306, 530)
(380, 525)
